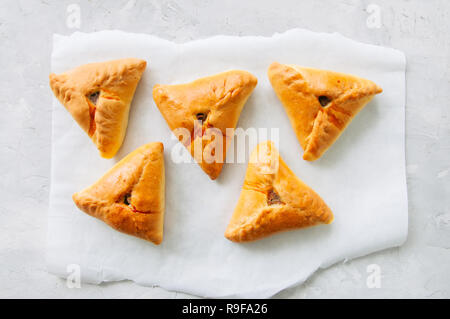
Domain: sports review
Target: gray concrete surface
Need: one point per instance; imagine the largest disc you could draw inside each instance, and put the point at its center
(420, 268)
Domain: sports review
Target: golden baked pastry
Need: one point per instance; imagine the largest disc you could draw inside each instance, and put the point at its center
(210, 104)
(130, 196)
(98, 96)
(273, 199)
(319, 103)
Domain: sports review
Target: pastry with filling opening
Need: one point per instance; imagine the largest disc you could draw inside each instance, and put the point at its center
(320, 104)
(207, 110)
(273, 199)
(98, 96)
(130, 196)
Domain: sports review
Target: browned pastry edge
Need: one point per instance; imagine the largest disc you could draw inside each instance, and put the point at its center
(320, 104)
(213, 104)
(273, 199)
(130, 196)
(98, 96)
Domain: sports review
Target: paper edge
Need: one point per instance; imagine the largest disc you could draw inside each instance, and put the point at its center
(61, 37)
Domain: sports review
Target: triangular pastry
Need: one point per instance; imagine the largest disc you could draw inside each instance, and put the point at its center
(319, 103)
(98, 96)
(273, 199)
(210, 104)
(130, 196)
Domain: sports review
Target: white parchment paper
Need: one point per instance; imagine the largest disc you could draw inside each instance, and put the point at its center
(361, 177)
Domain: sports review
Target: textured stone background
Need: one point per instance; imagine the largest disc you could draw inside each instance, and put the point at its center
(419, 28)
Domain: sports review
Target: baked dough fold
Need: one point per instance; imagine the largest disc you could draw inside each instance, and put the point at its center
(319, 104)
(98, 96)
(273, 199)
(130, 196)
(210, 104)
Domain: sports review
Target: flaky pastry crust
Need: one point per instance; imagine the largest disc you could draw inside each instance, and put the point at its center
(273, 199)
(216, 101)
(130, 196)
(320, 104)
(98, 96)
